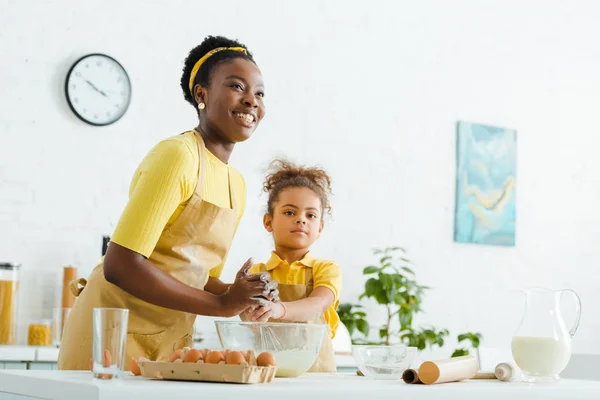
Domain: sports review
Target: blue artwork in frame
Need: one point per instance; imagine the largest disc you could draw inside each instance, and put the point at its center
(485, 185)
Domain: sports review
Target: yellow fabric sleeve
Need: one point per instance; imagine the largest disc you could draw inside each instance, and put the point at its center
(162, 183)
(162, 186)
(328, 274)
(255, 269)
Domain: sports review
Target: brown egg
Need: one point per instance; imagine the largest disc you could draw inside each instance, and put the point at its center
(106, 359)
(175, 355)
(134, 367)
(214, 357)
(235, 358)
(266, 359)
(192, 356)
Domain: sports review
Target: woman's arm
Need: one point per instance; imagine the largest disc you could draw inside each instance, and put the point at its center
(216, 286)
(139, 277)
(306, 309)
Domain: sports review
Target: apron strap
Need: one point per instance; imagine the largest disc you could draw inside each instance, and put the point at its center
(202, 162)
(308, 279)
(74, 286)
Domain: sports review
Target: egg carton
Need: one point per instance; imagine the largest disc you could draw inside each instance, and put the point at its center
(223, 373)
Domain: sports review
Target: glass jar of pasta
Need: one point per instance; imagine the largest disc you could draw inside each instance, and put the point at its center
(39, 332)
(9, 283)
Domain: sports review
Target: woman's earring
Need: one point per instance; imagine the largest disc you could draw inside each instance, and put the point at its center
(201, 106)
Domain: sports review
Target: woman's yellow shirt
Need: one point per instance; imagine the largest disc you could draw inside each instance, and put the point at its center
(162, 186)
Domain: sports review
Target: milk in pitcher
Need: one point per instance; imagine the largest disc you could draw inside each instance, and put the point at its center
(541, 356)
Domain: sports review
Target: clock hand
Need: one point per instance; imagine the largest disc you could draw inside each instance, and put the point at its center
(95, 88)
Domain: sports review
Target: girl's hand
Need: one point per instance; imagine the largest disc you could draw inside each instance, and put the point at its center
(264, 313)
(247, 314)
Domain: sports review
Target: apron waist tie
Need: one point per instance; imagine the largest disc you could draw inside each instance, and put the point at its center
(74, 286)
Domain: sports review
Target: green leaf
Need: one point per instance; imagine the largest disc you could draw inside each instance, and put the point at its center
(386, 280)
(474, 338)
(460, 353)
(430, 335)
(399, 298)
(344, 308)
(405, 320)
(410, 271)
(391, 293)
(351, 325)
(383, 333)
(381, 296)
(462, 337)
(383, 260)
(371, 269)
(363, 326)
(360, 314)
(372, 286)
(421, 343)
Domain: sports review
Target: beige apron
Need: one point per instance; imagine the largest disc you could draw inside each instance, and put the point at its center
(326, 360)
(196, 242)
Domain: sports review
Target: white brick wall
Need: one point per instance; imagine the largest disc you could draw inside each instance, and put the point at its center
(372, 92)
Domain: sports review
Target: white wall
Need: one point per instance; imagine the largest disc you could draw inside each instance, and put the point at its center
(371, 92)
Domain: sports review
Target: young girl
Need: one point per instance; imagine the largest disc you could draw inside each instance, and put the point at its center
(309, 287)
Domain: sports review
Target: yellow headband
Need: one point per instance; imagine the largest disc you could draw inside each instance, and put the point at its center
(205, 57)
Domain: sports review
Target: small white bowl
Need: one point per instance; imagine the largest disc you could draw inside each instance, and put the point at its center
(383, 362)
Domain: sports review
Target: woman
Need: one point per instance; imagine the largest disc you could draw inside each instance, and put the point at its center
(170, 245)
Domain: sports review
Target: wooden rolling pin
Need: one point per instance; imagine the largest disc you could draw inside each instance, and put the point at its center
(69, 274)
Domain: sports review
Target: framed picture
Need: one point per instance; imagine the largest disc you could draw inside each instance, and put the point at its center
(486, 185)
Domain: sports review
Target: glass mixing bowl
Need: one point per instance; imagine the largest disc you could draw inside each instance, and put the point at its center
(295, 346)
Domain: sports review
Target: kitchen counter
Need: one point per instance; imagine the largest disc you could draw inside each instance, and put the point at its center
(77, 385)
(49, 354)
(28, 353)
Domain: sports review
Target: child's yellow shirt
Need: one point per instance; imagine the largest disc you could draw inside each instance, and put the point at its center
(325, 274)
(162, 187)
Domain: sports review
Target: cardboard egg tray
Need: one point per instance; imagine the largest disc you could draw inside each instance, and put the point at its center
(222, 373)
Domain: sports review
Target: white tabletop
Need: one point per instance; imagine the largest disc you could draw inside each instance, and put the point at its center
(72, 385)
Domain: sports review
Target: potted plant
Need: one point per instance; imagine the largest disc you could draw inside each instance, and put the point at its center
(391, 283)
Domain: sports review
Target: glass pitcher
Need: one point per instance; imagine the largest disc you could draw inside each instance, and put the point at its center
(541, 345)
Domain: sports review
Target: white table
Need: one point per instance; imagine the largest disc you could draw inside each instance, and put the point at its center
(78, 385)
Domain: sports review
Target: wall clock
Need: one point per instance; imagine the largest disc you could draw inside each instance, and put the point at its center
(98, 89)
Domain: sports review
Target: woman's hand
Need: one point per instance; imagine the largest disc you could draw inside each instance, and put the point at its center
(239, 295)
